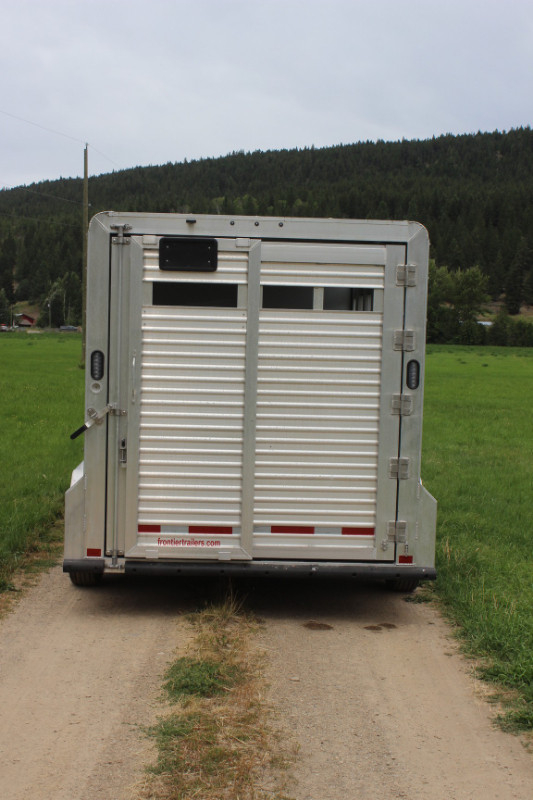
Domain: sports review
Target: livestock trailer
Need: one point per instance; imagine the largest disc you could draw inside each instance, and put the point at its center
(254, 393)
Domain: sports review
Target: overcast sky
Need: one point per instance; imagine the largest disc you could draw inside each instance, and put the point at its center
(152, 81)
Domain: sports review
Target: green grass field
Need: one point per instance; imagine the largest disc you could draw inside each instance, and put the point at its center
(41, 403)
(477, 461)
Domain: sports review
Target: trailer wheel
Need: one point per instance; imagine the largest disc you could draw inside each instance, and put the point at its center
(85, 578)
(407, 585)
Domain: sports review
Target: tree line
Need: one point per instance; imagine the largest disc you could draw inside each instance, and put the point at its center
(474, 193)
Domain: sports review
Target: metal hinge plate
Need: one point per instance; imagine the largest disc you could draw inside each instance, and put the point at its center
(406, 275)
(404, 340)
(399, 469)
(96, 417)
(120, 238)
(402, 404)
(397, 531)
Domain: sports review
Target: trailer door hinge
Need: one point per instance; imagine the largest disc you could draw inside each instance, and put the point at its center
(404, 340)
(406, 275)
(120, 238)
(402, 404)
(123, 453)
(397, 531)
(399, 469)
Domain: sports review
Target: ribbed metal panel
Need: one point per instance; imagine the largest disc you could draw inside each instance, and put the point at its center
(232, 268)
(318, 398)
(192, 379)
(322, 265)
(318, 417)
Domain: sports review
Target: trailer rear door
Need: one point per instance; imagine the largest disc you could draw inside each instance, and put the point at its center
(324, 433)
(253, 400)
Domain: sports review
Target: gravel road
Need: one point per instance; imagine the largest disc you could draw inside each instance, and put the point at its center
(370, 688)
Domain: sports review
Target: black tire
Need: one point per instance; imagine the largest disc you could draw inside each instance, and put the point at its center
(85, 578)
(406, 585)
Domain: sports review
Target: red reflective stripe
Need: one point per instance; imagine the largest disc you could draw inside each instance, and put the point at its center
(221, 529)
(291, 529)
(405, 560)
(149, 528)
(93, 552)
(357, 531)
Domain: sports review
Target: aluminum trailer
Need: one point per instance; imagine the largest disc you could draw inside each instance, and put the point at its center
(254, 392)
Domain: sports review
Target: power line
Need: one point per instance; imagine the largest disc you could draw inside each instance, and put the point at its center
(38, 219)
(43, 194)
(106, 157)
(58, 133)
(42, 127)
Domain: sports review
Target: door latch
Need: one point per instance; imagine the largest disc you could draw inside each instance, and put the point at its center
(96, 418)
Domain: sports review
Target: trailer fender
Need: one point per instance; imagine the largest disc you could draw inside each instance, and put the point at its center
(74, 514)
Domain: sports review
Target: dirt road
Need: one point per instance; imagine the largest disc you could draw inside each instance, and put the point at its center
(369, 686)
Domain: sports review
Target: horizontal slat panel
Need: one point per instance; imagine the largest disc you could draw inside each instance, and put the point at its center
(322, 325)
(185, 320)
(231, 268)
(318, 384)
(321, 253)
(327, 472)
(217, 351)
(192, 402)
(209, 494)
(177, 471)
(318, 417)
(332, 483)
(322, 265)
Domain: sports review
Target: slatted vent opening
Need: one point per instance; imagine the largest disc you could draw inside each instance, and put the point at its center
(221, 295)
(288, 297)
(347, 299)
(335, 298)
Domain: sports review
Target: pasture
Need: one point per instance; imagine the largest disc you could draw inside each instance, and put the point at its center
(41, 403)
(477, 462)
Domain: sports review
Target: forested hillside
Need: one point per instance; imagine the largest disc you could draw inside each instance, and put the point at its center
(474, 193)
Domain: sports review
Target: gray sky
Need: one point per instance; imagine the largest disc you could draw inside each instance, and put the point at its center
(152, 81)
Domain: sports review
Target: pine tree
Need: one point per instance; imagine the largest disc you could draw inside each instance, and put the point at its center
(5, 311)
(520, 267)
(8, 259)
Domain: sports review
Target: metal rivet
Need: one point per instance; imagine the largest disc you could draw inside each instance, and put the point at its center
(256, 224)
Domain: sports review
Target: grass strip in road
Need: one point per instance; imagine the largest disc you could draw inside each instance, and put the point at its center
(216, 742)
(478, 463)
(189, 677)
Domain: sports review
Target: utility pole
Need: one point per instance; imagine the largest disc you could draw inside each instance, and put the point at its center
(85, 226)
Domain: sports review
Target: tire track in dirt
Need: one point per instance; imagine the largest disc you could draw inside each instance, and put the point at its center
(79, 673)
(379, 702)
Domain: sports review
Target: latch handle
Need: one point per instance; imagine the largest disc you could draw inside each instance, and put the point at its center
(79, 432)
(96, 418)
